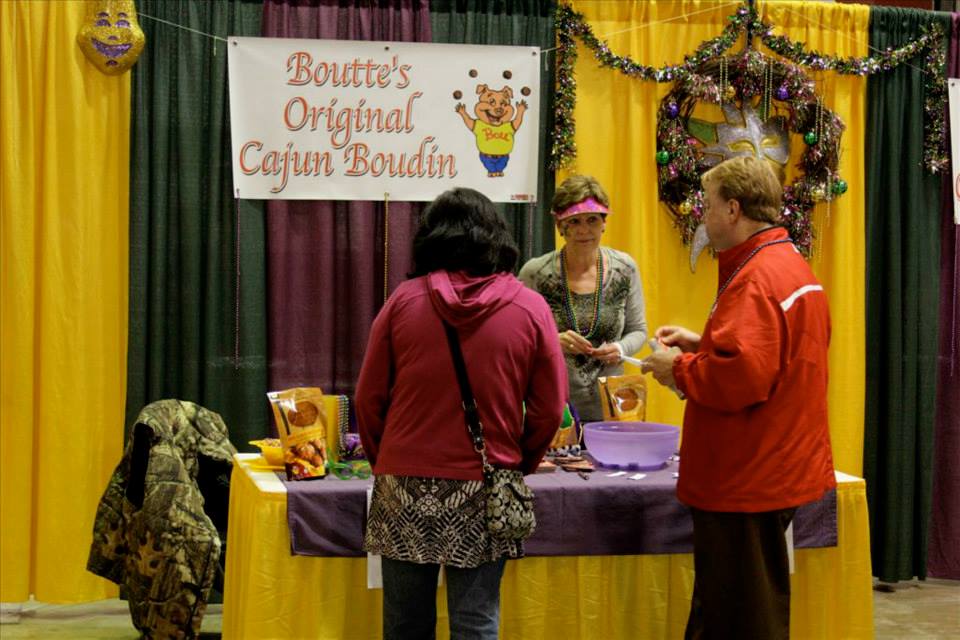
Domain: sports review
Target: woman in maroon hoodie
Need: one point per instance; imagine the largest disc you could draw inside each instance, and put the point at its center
(428, 505)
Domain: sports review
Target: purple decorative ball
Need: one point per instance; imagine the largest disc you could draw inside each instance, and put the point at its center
(782, 93)
(673, 110)
(672, 171)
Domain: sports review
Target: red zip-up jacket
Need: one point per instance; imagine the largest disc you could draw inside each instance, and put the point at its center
(408, 403)
(755, 430)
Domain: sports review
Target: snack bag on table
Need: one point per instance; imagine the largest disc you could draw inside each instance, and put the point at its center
(301, 419)
(623, 397)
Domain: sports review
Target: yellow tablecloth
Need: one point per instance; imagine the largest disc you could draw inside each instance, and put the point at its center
(271, 594)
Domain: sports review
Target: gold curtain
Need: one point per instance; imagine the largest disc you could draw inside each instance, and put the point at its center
(616, 120)
(63, 302)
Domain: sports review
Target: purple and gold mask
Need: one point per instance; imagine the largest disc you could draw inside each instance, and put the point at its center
(111, 37)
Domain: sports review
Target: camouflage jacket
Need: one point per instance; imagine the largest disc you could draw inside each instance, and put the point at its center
(152, 534)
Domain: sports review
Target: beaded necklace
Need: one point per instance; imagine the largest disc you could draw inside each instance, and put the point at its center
(343, 425)
(568, 298)
(740, 266)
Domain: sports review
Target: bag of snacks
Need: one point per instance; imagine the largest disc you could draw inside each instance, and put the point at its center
(623, 397)
(301, 420)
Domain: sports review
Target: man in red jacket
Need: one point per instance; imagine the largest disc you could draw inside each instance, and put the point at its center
(755, 443)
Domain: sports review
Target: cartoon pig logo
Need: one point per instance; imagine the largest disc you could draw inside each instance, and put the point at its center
(493, 127)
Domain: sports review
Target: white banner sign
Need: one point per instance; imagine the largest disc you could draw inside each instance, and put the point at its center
(953, 85)
(345, 120)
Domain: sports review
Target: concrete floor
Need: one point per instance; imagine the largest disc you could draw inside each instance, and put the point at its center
(928, 610)
(103, 620)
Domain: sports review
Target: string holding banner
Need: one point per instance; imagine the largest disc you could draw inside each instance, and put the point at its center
(386, 246)
(183, 27)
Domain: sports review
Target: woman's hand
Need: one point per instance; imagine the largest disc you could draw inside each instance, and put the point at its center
(607, 353)
(684, 339)
(574, 344)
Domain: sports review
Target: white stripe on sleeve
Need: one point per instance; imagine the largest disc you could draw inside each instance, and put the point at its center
(786, 304)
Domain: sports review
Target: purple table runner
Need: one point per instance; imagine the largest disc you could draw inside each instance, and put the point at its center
(575, 517)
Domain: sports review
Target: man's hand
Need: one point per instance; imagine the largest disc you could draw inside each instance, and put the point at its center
(660, 364)
(575, 344)
(684, 339)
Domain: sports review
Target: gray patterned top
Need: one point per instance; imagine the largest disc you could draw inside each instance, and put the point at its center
(622, 319)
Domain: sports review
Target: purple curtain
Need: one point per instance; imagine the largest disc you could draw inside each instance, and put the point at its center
(943, 551)
(325, 260)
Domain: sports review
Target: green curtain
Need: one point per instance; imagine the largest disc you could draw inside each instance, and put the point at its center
(903, 264)
(512, 22)
(186, 322)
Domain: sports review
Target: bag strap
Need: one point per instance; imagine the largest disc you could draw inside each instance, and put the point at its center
(469, 402)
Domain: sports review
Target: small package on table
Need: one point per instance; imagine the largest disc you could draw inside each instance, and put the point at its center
(301, 421)
(623, 397)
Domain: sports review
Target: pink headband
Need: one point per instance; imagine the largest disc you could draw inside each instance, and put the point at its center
(590, 205)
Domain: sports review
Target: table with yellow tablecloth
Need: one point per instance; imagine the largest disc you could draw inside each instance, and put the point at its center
(271, 594)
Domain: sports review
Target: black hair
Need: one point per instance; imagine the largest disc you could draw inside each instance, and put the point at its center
(462, 231)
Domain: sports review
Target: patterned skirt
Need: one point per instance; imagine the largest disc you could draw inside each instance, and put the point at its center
(433, 521)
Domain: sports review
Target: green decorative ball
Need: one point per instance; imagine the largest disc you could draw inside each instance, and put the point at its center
(810, 137)
(840, 187)
(663, 157)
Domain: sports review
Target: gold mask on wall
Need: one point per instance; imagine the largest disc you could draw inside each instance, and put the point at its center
(745, 132)
(111, 37)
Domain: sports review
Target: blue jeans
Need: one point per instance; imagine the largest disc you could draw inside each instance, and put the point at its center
(494, 164)
(410, 600)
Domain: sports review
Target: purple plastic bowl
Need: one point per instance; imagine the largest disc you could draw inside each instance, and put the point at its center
(632, 445)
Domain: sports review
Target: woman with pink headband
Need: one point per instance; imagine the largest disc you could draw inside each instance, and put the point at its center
(594, 292)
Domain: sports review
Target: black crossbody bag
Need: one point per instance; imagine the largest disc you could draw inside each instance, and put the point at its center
(509, 499)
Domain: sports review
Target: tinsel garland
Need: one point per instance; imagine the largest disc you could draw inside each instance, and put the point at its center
(933, 46)
(571, 24)
(564, 148)
(680, 161)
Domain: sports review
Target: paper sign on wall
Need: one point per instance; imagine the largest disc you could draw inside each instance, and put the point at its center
(350, 120)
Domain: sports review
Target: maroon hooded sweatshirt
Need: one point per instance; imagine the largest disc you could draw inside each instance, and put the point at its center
(408, 402)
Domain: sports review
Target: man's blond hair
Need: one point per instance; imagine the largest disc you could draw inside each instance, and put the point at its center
(752, 183)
